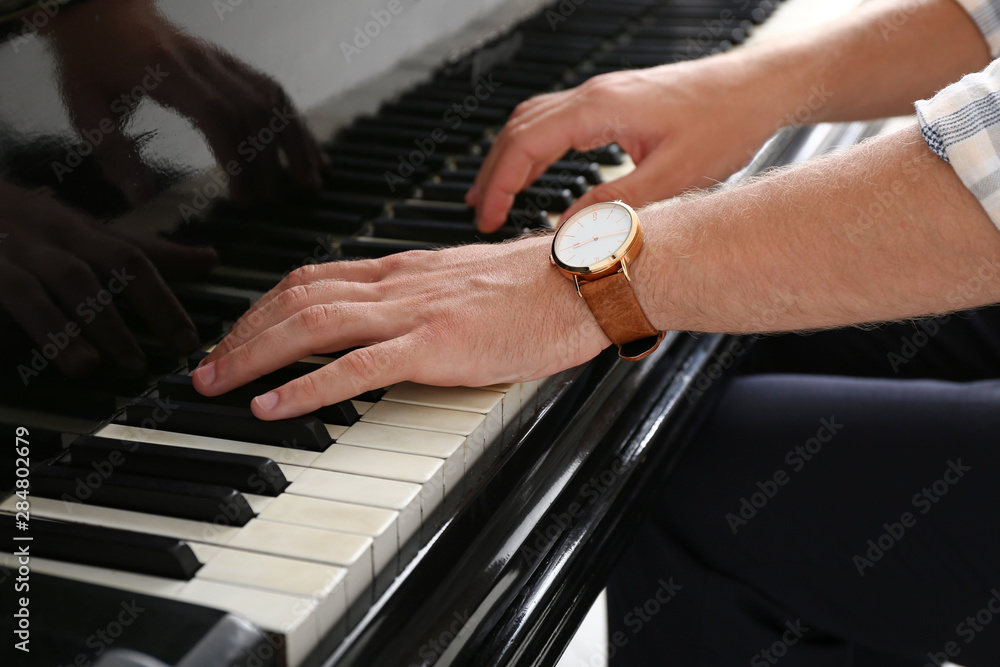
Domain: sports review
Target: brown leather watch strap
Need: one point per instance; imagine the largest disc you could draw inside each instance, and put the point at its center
(616, 309)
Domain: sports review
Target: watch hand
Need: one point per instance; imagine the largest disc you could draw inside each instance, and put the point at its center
(594, 238)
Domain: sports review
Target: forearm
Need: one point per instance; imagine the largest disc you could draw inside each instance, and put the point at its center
(883, 231)
(873, 62)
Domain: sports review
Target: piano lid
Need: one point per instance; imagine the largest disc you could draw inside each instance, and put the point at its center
(122, 120)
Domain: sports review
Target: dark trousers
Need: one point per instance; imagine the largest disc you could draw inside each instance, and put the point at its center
(839, 508)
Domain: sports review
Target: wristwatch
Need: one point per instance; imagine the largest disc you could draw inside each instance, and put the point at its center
(594, 249)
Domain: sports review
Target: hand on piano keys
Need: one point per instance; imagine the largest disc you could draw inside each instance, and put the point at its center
(472, 316)
(680, 123)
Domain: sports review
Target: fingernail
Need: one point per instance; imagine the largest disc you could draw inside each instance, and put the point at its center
(185, 340)
(206, 374)
(266, 402)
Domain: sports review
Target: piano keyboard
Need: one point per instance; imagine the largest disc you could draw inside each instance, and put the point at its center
(342, 500)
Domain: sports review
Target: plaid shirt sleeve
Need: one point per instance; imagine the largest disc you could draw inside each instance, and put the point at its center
(962, 122)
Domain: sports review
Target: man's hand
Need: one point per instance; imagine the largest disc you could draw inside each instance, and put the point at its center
(693, 124)
(685, 125)
(474, 315)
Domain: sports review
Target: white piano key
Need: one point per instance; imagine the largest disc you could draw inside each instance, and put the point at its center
(299, 457)
(293, 617)
(362, 406)
(378, 524)
(324, 583)
(468, 424)
(445, 446)
(454, 398)
(512, 417)
(423, 470)
(467, 399)
(130, 581)
(403, 497)
(322, 546)
(291, 473)
(335, 430)
(258, 503)
(183, 529)
(296, 618)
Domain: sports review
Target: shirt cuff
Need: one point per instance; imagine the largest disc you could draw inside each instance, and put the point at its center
(986, 15)
(962, 125)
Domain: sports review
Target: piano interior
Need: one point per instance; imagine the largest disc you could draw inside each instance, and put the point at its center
(165, 163)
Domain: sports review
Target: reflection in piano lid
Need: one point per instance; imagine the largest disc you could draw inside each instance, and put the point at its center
(163, 165)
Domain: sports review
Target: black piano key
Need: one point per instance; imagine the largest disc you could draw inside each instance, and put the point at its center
(290, 372)
(218, 421)
(544, 199)
(378, 166)
(486, 115)
(571, 27)
(631, 59)
(575, 184)
(400, 120)
(372, 184)
(291, 214)
(243, 472)
(431, 231)
(405, 139)
(451, 212)
(369, 248)
(107, 487)
(209, 303)
(590, 171)
(181, 388)
(258, 257)
(269, 234)
(611, 155)
(694, 30)
(106, 547)
(415, 158)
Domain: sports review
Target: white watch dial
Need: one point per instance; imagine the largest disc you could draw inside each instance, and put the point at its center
(593, 235)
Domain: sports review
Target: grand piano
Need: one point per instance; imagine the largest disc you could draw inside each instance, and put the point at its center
(158, 173)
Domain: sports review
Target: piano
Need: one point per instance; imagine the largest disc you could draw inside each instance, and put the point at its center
(143, 524)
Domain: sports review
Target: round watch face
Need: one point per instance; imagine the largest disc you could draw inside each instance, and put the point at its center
(595, 238)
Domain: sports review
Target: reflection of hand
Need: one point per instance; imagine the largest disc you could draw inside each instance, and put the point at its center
(681, 124)
(108, 65)
(59, 267)
(474, 315)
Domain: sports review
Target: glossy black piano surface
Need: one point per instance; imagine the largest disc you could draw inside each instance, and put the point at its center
(161, 162)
